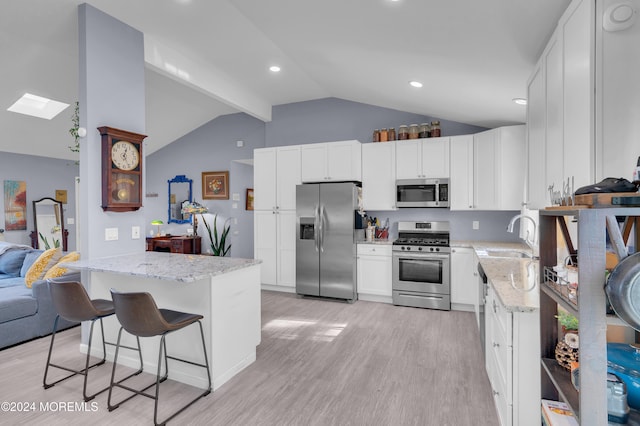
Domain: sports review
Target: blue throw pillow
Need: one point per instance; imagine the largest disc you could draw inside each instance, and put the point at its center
(29, 259)
(11, 261)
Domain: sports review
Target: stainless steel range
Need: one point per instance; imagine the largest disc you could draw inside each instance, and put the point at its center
(421, 265)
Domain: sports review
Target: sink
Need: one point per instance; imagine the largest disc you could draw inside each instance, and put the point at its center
(508, 253)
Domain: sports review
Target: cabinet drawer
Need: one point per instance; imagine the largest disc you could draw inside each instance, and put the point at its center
(500, 397)
(374, 250)
(502, 318)
(502, 354)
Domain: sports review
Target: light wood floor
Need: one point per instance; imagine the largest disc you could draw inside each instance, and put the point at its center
(319, 363)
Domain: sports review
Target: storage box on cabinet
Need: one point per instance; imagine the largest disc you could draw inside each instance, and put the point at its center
(332, 162)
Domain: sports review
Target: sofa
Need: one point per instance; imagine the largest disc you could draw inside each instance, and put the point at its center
(25, 313)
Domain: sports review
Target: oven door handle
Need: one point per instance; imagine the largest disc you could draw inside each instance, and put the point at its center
(420, 256)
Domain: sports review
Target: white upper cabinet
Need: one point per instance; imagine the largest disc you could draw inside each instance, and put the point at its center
(578, 146)
(332, 162)
(485, 188)
(379, 176)
(488, 170)
(264, 178)
(461, 180)
(276, 172)
(498, 170)
(422, 158)
(560, 111)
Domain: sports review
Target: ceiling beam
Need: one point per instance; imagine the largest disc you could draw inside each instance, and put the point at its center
(204, 78)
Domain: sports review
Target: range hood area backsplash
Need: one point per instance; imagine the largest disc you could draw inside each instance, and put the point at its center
(493, 224)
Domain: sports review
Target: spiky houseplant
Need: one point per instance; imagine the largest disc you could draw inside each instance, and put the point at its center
(218, 242)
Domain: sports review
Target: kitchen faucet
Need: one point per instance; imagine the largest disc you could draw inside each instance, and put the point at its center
(528, 242)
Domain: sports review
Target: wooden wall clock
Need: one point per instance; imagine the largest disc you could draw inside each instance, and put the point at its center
(121, 170)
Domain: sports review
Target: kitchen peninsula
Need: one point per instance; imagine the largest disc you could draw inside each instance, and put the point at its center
(226, 291)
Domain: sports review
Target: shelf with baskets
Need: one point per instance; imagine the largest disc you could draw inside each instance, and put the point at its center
(587, 302)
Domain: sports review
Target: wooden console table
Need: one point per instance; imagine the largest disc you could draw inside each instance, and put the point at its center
(174, 244)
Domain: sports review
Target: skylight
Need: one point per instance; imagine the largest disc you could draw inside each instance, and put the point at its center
(37, 106)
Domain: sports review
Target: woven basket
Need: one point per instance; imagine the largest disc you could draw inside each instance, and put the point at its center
(565, 355)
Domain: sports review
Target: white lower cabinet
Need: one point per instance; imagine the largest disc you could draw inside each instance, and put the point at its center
(512, 362)
(464, 279)
(374, 272)
(275, 245)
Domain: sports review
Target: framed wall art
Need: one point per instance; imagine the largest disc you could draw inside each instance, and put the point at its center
(215, 185)
(15, 205)
(249, 204)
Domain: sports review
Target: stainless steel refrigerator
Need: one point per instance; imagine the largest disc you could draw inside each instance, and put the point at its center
(325, 243)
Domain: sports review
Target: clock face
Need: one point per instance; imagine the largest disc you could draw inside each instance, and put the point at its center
(125, 155)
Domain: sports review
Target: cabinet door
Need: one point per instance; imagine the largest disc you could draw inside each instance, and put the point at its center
(484, 168)
(461, 179)
(511, 163)
(344, 161)
(374, 270)
(435, 157)
(288, 176)
(379, 176)
(464, 284)
(314, 163)
(265, 244)
(578, 101)
(264, 178)
(536, 130)
(553, 146)
(286, 273)
(408, 159)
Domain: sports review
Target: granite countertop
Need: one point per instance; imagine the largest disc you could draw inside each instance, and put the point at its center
(514, 280)
(165, 266)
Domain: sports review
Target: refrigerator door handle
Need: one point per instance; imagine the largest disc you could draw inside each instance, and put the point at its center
(322, 228)
(316, 226)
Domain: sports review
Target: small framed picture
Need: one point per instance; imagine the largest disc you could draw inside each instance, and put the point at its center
(215, 185)
(249, 199)
(61, 195)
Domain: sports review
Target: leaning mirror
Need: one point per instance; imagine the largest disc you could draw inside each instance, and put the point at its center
(179, 192)
(49, 224)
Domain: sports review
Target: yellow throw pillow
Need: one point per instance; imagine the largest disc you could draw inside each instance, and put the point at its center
(57, 270)
(41, 266)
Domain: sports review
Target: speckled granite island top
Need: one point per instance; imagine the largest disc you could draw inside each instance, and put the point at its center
(164, 266)
(514, 280)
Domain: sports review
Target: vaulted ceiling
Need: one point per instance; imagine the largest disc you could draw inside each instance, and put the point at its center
(206, 58)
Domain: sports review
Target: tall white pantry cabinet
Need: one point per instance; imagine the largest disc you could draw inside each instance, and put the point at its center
(584, 100)
(276, 174)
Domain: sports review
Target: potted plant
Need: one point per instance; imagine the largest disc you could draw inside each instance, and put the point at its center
(218, 242)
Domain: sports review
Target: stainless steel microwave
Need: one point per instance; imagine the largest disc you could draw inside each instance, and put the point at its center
(422, 192)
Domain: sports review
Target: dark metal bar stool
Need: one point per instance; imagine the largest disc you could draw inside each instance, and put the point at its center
(139, 315)
(72, 303)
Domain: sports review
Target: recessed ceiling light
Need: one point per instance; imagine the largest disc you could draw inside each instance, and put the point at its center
(415, 83)
(274, 68)
(37, 106)
(520, 101)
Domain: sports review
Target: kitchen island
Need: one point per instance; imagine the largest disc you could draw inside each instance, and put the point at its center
(226, 291)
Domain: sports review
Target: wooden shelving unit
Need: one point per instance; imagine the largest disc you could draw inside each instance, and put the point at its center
(590, 404)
